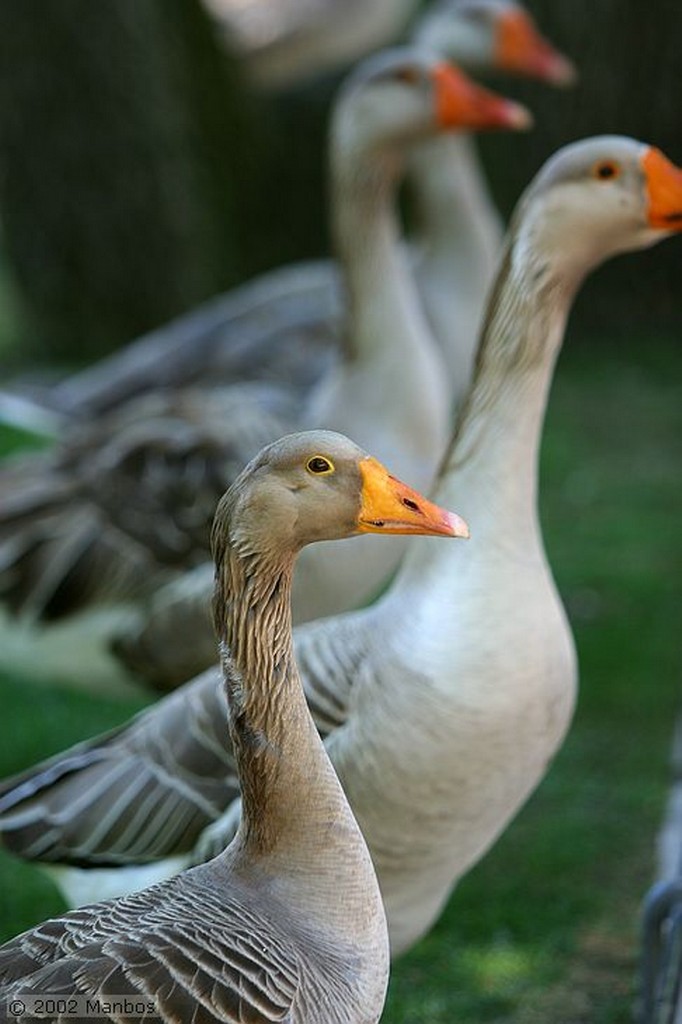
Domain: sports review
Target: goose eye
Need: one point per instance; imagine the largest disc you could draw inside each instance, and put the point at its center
(410, 76)
(606, 169)
(319, 465)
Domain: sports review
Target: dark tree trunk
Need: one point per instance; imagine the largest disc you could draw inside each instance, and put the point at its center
(119, 126)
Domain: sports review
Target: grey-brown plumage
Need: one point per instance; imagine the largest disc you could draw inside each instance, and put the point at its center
(70, 547)
(287, 924)
(125, 501)
(283, 326)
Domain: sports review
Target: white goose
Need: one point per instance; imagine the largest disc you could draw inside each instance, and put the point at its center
(456, 246)
(286, 41)
(122, 504)
(51, 567)
(444, 703)
(285, 325)
(287, 923)
(458, 233)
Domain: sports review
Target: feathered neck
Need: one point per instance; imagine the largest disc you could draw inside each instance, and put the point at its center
(490, 468)
(294, 812)
(454, 210)
(383, 306)
(458, 237)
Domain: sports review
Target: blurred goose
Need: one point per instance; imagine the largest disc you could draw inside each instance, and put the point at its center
(283, 42)
(442, 704)
(456, 245)
(286, 324)
(457, 236)
(125, 502)
(287, 923)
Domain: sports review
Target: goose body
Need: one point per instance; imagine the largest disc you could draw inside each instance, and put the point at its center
(52, 564)
(123, 505)
(444, 703)
(453, 256)
(287, 923)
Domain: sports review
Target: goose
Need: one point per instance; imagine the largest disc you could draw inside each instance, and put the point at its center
(287, 922)
(124, 502)
(443, 703)
(284, 43)
(456, 244)
(286, 324)
(452, 201)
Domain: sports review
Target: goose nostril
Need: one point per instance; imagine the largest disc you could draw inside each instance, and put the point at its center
(411, 504)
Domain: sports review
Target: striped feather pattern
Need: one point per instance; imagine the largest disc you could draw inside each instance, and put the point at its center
(133, 794)
(149, 790)
(284, 325)
(197, 955)
(125, 501)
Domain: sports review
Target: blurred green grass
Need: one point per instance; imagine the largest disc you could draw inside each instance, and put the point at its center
(545, 928)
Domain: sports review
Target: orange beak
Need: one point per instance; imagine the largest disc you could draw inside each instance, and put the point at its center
(390, 506)
(520, 48)
(664, 191)
(460, 103)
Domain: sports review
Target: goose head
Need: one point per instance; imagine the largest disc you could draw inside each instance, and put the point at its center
(318, 485)
(401, 97)
(493, 34)
(594, 199)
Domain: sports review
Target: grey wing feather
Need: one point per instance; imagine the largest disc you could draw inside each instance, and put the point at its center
(328, 654)
(197, 955)
(132, 795)
(126, 501)
(283, 326)
(148, 790)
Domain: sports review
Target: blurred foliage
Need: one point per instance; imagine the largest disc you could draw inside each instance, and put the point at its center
(119, 126)
(141, 175)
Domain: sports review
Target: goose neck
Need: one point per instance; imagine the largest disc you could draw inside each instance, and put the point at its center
(454, 211)
(296, 822)
(458, 237)
(490, 468)
(366, 235)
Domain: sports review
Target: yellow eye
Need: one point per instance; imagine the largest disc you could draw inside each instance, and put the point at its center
(606, 170)
(319, 465)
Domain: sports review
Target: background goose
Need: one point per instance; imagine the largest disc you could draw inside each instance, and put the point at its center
(286, 324)
(125, 502)
(285, 41)
(457, 233)
(287, 923)
(444, 703)
(457, 244)
(282, 326)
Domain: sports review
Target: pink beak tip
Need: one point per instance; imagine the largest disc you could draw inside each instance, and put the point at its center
(459, 527)
(562, 72)
(518, 116)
